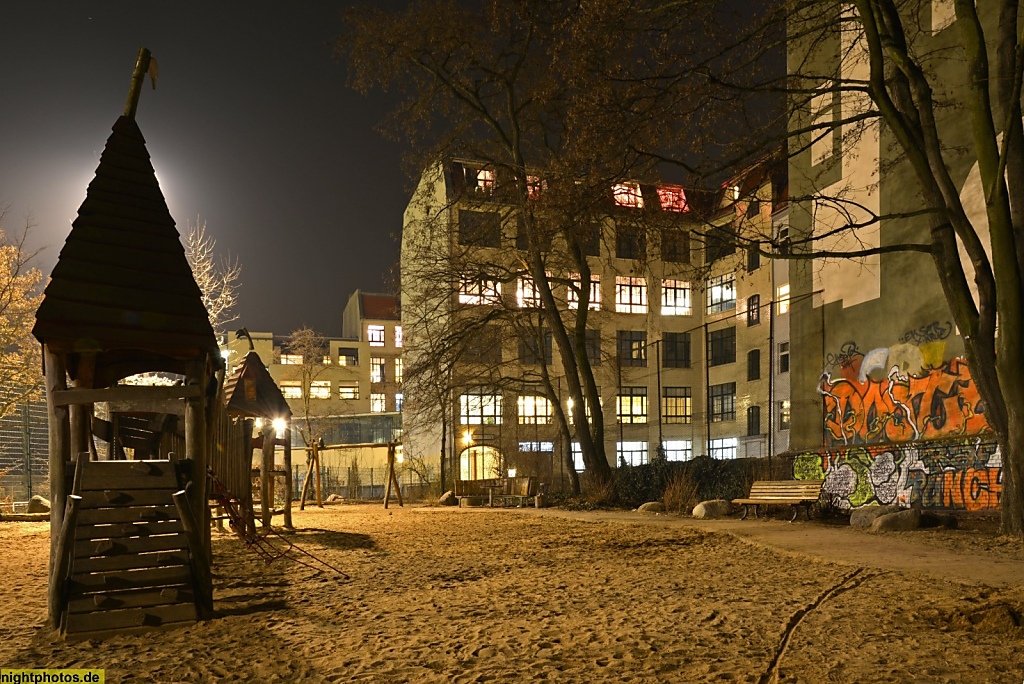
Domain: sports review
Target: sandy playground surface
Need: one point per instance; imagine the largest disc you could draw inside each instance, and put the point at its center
(450, 595)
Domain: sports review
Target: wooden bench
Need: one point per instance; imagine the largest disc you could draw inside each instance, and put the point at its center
(782, 493)
(500, 490)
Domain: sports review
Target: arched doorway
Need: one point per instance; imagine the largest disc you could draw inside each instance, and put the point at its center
(479, 462)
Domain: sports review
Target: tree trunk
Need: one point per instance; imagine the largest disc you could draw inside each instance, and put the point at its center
(1011, 501)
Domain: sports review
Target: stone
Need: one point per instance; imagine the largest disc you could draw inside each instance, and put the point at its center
(864, 516)
(335, 497)
(709, 510)
(901, 521)
(652, 507)
(38, 505)
(448, 499)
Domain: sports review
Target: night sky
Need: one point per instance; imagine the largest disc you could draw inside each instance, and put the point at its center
(251, 128)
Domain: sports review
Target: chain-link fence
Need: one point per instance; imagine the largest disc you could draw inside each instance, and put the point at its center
(366, 484)
(24, 464)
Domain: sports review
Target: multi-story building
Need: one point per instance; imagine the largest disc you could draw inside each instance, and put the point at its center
(680, 337)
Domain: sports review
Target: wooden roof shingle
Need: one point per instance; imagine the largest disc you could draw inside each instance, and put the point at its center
(251, 392)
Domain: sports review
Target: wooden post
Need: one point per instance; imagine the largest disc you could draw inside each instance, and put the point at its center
(288, 477)
(62, 561)
(307, 482)
(195, 449)
(59, 442)
(392, 478)
(316, 464)
(203, 580)
(246, 493)
(138, 76)
(81, 414)
(267, 475)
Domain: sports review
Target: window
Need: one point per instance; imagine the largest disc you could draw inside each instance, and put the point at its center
(594, 301)
(590, 239)
(375, 335)
(722, 346)
(720, 243)
(782, 296)
(536, 447)
(783, 357)
(377, 402)
(527, 295)
(377, 364)
(784, 414)
(633, 348)
(753, 208)
(569, 404)
(398, 336)
(399, 370)
(484, 346)
(675, 298)
(479, 291)
(291, 359)
(721, 293)
(675, 350)
(824, 134)
(320, 389)
(327, 360)
(630, 242)
(348, 390)
(672, 198)
(479, 228)
(484, 181)
(633, 405)
(529, 352)
(783, 240)
(675, 246)
(577, 457)
(628, 195)
(677, 450)
(630, 295)
(348, 357)
(754, 310)
(753, 421)
(754, 364)
(631, 453)
(535, 186)
(593, 341)
(291, 389)
(399, 399)
(753, 258)
(677, 405)
(479, 407)
(723, 448)
(533, 410)
(723, 402)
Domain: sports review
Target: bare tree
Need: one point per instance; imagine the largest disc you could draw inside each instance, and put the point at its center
(20, 365)
(217, 278)
(309, 348)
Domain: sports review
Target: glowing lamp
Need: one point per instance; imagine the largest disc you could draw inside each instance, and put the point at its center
(280, 426)
(467, 438)
(511, 472)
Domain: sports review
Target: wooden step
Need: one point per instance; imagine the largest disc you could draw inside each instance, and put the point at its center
(127, 514)
(130, 561)
(133, 598)
(130, 579)
(132, 617)
(118, 546)
(103, 475)
(121, 530)
(108, 498)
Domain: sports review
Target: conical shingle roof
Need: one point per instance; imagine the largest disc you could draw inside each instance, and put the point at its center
(251, 392)
(122, 287)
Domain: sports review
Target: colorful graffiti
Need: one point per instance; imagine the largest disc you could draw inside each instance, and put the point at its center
(962, 475)
(921, 397)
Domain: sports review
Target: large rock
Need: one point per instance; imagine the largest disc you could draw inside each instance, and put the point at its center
(38, 504)
(652, 507)
(709, 510)
(950, 522)
(863, 517)
(901, 521)
(448, 499)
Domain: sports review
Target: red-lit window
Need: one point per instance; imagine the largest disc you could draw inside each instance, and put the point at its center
(534, 186)
(485, 181)
(672, 198)
(628, 195)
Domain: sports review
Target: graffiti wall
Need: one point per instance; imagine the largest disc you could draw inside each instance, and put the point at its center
(903, 393)
(959, 475)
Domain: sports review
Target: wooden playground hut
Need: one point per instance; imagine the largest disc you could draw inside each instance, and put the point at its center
(130, 544)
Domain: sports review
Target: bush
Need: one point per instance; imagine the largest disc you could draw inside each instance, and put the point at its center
(680, 492)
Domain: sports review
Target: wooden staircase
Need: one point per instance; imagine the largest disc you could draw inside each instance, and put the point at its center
(127, 561)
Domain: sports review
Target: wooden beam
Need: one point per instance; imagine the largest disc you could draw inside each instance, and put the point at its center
(267, 476)
(55, 369)
(288, 479)
(203, 580)
(125, 393)
(62, 561)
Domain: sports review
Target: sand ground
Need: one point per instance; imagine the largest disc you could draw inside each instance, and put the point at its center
(450, 595)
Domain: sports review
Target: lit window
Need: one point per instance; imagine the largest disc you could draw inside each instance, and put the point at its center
(675, 298)
(630, 294)
(632, 348)
(479, 291)
(577, 457)
(723, 448)
(320, 389)
(784, 414)
(535, 186)
(536, 447)
(327, 360)
(628, 195)
(377, 369)
(399, 369)
(375, 335)
(378, 401)
(349, 390)
(631, 453)
(677, 450)
(782, 296)
(291, 359)
(594, 303)
(348, 357)
(527, 295)
(398, 336)
(533, 410)
(633, 405)
(291, 389)
(677, 405)
(569, 404)
(398, 401)
(754, 310)
(480, 408)
(721, 293)
(484, 181)
(672, 198)
(723, 402)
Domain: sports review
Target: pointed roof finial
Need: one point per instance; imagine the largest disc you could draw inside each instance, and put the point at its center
(144, 64)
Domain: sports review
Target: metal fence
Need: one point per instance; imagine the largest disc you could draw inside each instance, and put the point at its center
(365, 484)
(24, 464)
